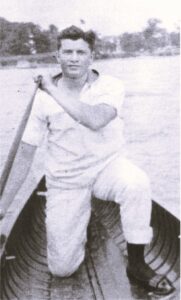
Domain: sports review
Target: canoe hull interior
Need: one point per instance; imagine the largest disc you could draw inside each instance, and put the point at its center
(102, 275)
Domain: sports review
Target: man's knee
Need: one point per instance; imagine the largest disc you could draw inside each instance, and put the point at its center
(137, 185)
(63, 267)
(140, 181)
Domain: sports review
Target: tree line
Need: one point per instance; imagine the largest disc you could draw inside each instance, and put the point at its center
(29, 38)
(152, 39)
(26, 38)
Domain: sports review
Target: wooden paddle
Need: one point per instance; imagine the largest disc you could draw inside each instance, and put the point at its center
(14, 148)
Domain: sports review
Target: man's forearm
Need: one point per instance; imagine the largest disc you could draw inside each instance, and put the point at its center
(93, 117)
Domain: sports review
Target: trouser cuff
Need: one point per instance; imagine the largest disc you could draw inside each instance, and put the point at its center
(139, 236)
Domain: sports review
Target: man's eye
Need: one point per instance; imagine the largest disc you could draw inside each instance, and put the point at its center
(80, 52)
(67, 51)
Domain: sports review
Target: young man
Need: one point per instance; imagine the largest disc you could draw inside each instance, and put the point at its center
(81, 112)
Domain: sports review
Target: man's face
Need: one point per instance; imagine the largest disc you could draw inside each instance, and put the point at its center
(75, 57)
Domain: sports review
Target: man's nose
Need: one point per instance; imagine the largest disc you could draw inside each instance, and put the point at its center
(74, 56)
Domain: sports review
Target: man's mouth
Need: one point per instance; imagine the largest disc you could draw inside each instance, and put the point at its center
(74, 66)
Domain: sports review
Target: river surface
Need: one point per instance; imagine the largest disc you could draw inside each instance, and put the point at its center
(150, 110)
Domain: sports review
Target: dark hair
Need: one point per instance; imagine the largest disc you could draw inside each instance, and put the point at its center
(75, 33)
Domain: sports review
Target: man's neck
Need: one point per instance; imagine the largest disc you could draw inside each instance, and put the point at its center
(74, 83)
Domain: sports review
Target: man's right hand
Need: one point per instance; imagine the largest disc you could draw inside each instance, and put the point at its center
(45, 82)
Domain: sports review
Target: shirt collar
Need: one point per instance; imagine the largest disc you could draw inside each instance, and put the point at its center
(93, 75)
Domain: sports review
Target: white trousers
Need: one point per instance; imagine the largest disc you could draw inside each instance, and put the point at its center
(68, 213)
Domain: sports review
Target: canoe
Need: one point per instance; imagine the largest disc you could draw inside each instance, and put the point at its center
(102, 275)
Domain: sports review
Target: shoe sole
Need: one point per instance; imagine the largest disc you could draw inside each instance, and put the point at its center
(145, 284)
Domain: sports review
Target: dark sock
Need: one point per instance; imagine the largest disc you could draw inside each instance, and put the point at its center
(135, 253)
(137, 262)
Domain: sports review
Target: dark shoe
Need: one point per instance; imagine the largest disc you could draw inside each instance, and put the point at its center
(159, 284)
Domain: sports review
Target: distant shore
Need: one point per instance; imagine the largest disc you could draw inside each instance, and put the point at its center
(49, 59)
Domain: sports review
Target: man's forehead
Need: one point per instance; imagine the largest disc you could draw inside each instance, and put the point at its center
(78, 43)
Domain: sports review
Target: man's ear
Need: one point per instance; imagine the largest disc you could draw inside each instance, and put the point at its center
(92, 57)
(57, 56)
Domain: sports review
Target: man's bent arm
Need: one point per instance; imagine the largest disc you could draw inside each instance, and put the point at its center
(18, 174)
(91, 116)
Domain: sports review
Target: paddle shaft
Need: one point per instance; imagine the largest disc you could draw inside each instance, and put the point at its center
(14, 148)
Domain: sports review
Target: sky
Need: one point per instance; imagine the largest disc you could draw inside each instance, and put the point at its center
(105, 16)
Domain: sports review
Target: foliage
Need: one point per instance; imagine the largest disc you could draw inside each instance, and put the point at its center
(154, 39)
(28, 38)
(131, 42)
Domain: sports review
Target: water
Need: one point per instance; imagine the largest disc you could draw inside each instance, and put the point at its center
(151, 114)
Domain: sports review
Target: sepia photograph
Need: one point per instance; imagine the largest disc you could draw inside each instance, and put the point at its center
(89, 150)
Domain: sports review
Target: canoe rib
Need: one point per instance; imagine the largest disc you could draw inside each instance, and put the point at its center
(24, 269)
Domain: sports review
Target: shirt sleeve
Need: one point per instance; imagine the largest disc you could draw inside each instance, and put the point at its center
(113, 95)
(37, 124)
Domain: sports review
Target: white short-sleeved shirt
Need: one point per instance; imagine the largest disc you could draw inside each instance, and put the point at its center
(76, 154)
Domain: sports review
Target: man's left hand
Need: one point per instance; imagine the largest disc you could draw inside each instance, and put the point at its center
(45, 82)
